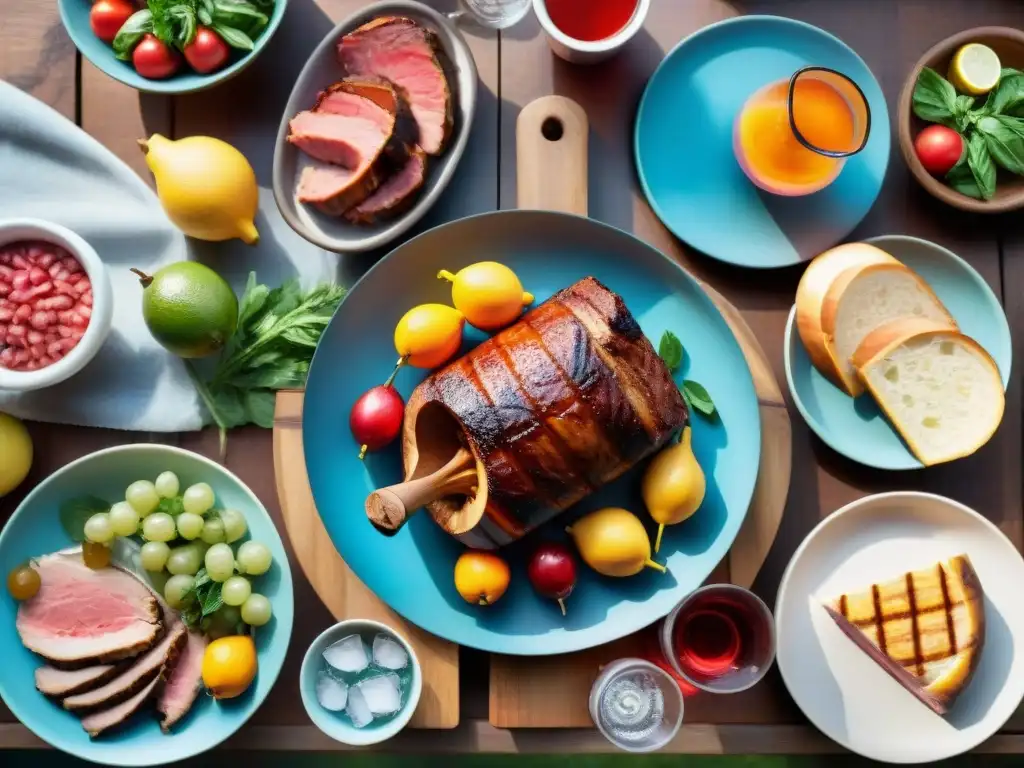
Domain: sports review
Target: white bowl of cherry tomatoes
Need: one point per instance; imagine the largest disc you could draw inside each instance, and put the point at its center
(171, 46)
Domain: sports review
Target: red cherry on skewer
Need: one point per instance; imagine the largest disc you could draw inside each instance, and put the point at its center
(376, 417)
(552, 572)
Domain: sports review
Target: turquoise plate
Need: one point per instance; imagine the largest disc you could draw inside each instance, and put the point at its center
(856, 428)
(684, 155)
(412, 571)
(35, 529)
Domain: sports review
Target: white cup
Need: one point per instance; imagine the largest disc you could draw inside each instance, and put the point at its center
(589, 51)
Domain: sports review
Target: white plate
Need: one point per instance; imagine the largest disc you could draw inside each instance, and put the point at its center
(839, 688)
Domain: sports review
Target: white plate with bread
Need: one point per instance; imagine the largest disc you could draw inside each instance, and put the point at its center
(901, 629)
(897, 353)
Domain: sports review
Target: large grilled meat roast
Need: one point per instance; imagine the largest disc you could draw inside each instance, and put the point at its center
(552, 408)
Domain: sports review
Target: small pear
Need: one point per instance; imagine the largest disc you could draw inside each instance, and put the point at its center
(674, 485)
(613, 542)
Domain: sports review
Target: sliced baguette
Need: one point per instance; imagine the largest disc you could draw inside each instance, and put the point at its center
(810, 296)
(940, 390)
(865, 297)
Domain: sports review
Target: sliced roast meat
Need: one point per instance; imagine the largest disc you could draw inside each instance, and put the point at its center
(379, 102)
(401, 51)
(59, 683)
(133, 679)
(351, 142)
(184, 682)
(81, 617)
(334, 190)
(107, 719)
(394, 195)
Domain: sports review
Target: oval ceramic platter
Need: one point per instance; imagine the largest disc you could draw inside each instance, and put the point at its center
(684, 151)
(856, 427)
(412, 571)
(35, 529)
(322, 70)
(845, 693)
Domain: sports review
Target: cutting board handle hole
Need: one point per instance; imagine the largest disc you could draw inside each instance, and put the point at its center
(552, 129)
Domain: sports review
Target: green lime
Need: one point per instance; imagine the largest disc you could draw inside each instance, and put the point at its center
(189, 308)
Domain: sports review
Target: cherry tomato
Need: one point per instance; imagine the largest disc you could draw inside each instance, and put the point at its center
(23, 582)
(938, 148)
(207, 52)
(108, 16)
(155, 59)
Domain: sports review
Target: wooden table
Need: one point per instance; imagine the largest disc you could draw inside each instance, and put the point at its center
(516, 67)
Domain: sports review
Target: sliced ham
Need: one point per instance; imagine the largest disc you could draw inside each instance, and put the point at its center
(136, 677)
(334, 190)
(350, 142)
(81, 617)
(184, 682)
(395, 195)
(106, 719)
(59, 683)
(401, 51)
(377, 101)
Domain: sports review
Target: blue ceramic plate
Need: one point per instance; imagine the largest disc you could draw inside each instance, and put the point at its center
(856, 428)
(75, 15)
(684, 153)
(35, 529)
(412, 572)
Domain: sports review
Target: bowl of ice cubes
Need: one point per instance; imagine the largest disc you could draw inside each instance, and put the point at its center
(360, 682)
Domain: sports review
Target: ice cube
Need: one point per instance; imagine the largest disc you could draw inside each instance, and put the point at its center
(358, 710)
(389, 653)
(331, 693)
(382, 693)
(348, 654)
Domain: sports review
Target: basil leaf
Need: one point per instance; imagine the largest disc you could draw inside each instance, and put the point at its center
(233, 37)
(1007, 98)
(128, 36)
(980, 162)
(698, 398)
(202, 577)
(963, 114)
(934, 97)
(204, 17)
(229, 405)
(259, 407)
(210, 599)
(183, 19)
(670, 350)
(74, 512)
(240, 15)
(1004, 144)
(962, 180)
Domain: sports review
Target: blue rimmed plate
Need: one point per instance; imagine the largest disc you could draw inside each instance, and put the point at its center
(855, 427)
(684, 151)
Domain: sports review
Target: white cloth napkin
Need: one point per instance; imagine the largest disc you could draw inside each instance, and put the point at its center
(51, 169)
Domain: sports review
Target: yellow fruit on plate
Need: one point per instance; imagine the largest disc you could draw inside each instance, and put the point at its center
(974, 69)
(673, 486)
(481, 578)
(206, 186)
(229, 666)
(489, 294)
(613, 542)
(429, 334)
(16, 450)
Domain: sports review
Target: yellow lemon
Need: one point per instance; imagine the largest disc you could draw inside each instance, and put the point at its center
(489, 294)
(16, 449)
(429, 334)
(974, 69)
(206, 186)
(229, 666)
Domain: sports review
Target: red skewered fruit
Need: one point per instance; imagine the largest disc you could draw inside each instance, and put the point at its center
(376, 417)
(552, 572)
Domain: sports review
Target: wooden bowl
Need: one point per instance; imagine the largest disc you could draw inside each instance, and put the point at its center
(1008, 44)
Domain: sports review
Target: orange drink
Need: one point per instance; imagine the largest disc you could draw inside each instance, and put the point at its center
(793, 136)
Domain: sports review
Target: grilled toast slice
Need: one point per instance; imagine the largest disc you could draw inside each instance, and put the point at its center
(926, 628)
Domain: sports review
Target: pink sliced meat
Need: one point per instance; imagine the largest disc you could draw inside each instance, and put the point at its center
(59, 683)
(81, 617)
(184, 683)
(395, 195)
(401, 51)
(334, 190)
(108, 719)
(351, 142)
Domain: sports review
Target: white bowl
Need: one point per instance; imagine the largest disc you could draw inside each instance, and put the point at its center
(14, 230)
(589, 51)
(334, 724)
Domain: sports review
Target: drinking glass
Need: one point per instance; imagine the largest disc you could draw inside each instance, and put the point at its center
(493, 14)
(636, 705)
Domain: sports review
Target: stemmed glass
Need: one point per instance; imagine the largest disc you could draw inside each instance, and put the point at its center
(493, 14)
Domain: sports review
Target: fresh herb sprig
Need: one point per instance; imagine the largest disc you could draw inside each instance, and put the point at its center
(993, 131)
(672, 353)
(271, 349)
(202, 600)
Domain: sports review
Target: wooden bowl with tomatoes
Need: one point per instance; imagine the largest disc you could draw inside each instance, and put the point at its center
(937, 153)
(171, 46)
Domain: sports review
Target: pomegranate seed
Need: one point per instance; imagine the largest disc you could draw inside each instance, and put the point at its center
(37, 275)
(20, 280)
(23, 313)
(34, 337)
(61, 302)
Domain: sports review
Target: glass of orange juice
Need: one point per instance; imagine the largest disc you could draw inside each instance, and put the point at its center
(792, 137)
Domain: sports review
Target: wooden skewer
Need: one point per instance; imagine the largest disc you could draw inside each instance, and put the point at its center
(390, 508)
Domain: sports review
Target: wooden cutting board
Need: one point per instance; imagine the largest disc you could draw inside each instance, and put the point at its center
(553, 691)
(341, 591)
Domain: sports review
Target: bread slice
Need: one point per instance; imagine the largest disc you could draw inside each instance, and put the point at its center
(940, 389)
(926, 628)
(865, 297)
(810, 296)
